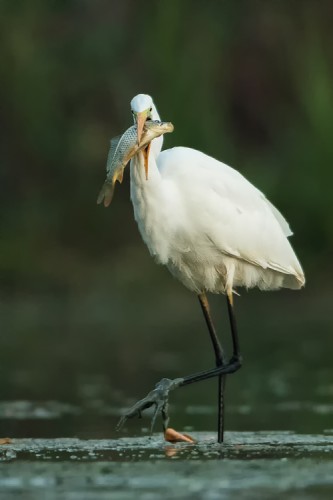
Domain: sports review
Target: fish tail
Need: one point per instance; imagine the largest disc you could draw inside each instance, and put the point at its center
(106, 194)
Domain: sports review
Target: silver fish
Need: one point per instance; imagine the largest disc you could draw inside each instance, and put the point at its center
(122, 149)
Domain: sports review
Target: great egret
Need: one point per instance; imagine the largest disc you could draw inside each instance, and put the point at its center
(214, 231)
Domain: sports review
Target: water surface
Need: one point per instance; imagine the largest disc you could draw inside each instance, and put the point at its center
(71, 365)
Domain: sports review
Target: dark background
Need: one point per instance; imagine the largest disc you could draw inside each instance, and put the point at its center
(85, 313)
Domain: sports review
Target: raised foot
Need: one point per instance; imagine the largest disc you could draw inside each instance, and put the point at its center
(158, 397)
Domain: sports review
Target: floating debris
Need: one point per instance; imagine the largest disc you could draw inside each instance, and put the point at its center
(174, 436)
(5, 441)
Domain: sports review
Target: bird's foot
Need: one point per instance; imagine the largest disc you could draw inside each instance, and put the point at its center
(158, 397)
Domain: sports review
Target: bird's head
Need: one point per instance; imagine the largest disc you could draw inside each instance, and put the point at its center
(143, 108)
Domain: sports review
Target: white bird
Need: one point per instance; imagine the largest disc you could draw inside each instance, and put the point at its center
(214, 231)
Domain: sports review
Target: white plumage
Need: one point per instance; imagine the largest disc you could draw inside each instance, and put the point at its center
(210, 226)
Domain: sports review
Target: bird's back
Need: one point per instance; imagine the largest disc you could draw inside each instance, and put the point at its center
(222, 230)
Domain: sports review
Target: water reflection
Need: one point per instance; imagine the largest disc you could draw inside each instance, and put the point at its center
(69, 368)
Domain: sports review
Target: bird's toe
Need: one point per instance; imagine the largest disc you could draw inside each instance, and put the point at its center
(158, 398)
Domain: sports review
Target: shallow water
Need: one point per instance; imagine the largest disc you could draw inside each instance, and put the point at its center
(260, 464)
(249, 465)
(69, 368)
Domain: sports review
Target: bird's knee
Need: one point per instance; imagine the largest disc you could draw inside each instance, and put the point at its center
(236, 362)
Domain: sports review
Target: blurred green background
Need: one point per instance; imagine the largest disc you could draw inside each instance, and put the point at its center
(85, 312)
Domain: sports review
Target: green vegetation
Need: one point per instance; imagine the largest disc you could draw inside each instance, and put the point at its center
(247, 82)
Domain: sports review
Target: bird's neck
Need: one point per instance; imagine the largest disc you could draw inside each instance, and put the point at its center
(139, 183)
(156, 147)
(148, 201)
(148, 194)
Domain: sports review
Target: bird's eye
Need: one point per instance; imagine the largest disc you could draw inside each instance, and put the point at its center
(151, 109)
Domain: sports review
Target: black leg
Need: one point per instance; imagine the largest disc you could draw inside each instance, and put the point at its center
(158, 397)
(234, 334)
(219, 360)
(231, 367)
(236, 360)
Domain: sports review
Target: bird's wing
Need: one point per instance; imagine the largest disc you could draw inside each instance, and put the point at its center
(234, 215)
(279, 217)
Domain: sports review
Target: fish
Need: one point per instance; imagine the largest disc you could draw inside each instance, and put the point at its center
(123, 148)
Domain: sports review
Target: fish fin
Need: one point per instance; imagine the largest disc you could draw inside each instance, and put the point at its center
(106, 193)
(119, 176)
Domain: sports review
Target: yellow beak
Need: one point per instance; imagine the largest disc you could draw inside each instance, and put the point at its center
(141, 118)
(146, 158)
